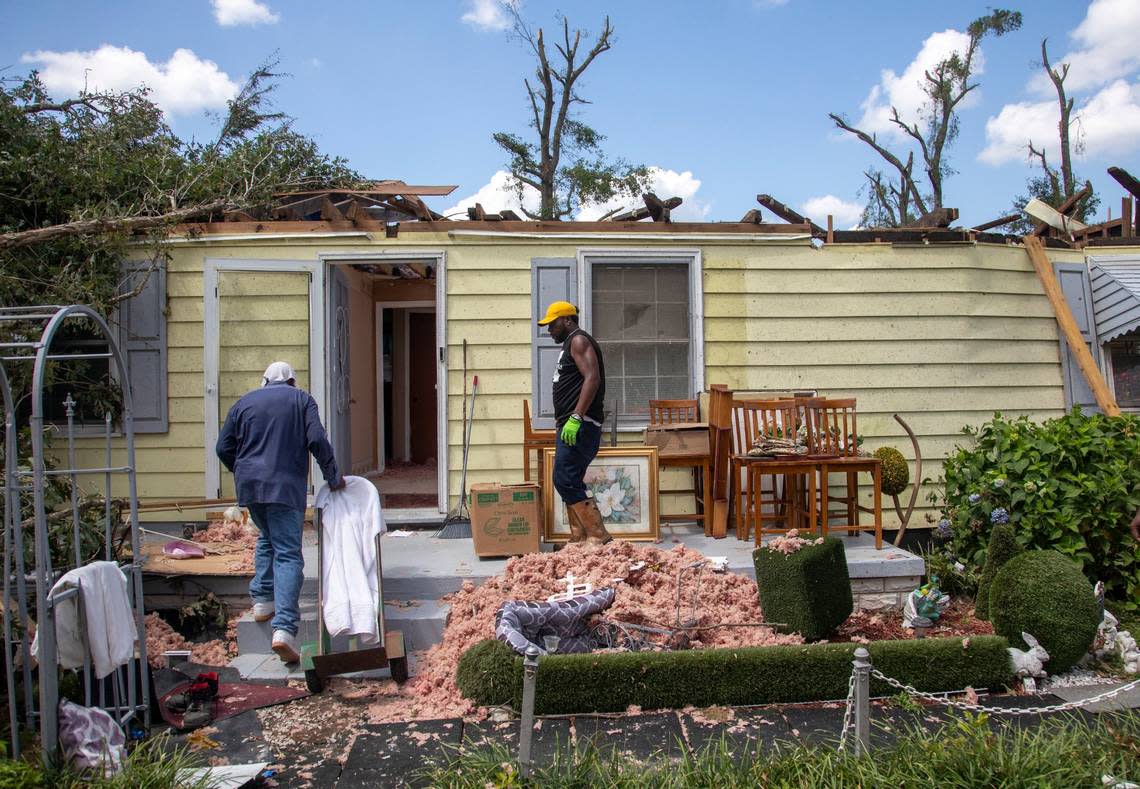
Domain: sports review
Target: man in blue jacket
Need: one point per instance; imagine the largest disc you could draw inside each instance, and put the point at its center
(266, 442)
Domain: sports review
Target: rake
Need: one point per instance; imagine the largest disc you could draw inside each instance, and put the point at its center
(457, 526)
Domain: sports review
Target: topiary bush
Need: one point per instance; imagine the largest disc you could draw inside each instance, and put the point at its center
(1045, 594)
(808, 590)
(488, 670)
(1003, 547)
(895, 471)
(1070, 484)
(611, 681)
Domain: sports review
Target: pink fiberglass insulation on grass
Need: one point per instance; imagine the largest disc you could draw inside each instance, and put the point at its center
(161, 637)
(649, 597)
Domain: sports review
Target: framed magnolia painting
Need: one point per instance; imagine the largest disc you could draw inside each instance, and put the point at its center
(623, 481)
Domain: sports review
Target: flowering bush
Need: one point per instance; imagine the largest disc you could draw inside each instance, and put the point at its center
(1069, 484)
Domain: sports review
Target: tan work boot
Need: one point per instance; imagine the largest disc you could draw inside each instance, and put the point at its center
(577, 530)
(591, 520)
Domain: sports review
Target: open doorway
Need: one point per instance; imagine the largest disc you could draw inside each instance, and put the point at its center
(384, 363)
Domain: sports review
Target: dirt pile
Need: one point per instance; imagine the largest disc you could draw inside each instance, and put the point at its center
(647, 596)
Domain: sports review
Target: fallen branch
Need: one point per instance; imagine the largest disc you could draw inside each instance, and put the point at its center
(115, 224)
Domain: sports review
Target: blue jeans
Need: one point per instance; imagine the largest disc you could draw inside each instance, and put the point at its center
(570, 462)
(278, 566)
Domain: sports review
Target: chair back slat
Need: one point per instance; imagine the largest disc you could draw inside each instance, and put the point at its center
(671, 412)
(754, 418)
(833, 426)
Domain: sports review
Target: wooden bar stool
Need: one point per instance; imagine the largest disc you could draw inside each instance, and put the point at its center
(534, 440)
(675, 412)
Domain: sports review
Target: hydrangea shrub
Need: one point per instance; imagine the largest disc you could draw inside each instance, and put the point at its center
(1069, 484)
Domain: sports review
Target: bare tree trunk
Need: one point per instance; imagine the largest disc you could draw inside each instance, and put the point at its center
(1066, 106)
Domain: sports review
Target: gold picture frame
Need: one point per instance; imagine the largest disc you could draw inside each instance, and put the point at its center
(624, 481)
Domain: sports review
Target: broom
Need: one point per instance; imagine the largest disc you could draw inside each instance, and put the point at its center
(457, 526)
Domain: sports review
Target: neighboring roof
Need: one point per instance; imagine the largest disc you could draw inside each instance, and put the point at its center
(1116, 297)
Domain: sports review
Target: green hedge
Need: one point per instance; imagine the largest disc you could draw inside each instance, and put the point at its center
(611, 682)
(808, 590)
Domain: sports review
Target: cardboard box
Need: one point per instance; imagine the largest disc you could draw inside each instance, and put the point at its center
(506, 520)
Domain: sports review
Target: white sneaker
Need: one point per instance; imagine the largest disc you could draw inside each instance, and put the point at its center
(285, 645)
(263, 612)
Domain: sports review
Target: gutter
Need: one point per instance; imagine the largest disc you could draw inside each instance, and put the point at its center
(754, 237)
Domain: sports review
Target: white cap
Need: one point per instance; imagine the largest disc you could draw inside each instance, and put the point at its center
(277, 373)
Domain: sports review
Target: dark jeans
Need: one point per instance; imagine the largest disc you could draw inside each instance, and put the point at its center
(570, 462)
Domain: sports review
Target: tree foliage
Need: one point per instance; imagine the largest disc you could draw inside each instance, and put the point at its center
(896, 199)
(90, 180)
(563, 158)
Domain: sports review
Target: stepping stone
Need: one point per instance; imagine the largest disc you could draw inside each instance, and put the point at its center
(636, 736)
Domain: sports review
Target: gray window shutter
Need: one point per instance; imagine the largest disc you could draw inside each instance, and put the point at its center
(552, 279)
(1074, 281)
(142, 341)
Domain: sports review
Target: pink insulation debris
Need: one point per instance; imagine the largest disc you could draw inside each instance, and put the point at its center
(791, 542)
(161, 637)
(649, 597)
(236, 536)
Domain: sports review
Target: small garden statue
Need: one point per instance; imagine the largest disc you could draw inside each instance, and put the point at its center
(1029, 664)
(1110, 641)
(924, 606)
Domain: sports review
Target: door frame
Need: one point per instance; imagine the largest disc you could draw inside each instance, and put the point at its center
(381, 403)
(439, 256)
(211, 348)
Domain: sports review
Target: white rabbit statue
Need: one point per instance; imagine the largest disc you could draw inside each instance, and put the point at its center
(1029, 663)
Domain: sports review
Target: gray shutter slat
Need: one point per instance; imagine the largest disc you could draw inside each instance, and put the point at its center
(142, 340)
(552, 279)
(1074, 281)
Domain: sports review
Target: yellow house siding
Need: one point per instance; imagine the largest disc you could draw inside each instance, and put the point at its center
(943, 336)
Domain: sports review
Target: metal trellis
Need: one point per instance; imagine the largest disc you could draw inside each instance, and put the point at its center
(29, 334)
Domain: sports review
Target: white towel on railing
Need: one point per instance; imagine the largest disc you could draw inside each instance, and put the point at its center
(351, 519)
(107, 625)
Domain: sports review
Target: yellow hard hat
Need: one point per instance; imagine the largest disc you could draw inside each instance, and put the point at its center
(558, 309)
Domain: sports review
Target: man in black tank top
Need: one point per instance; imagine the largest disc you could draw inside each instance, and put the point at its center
(579, 392)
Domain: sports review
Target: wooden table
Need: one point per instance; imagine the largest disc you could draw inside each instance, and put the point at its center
(686, 445)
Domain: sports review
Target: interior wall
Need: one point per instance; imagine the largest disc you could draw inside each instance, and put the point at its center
(362, 372)
(399, 405)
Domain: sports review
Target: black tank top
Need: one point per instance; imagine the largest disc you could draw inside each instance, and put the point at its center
(568, 383)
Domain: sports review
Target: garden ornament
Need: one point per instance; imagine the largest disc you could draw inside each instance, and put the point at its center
(1029, 663)
(572, 590)
(924, 606)
(1110, 641)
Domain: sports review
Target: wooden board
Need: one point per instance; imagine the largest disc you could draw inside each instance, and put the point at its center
(154, 563)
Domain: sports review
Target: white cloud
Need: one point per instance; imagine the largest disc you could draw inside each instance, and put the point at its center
(844, 213)
(1106, 47)
(664, 184)
(769, 3)
(230, 13)
(488, 15)
(181, 85)
(1109, 121)
(904, 91)
(497, 195)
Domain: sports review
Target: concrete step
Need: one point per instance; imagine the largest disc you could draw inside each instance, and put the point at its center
(421, 622)
(267, 667)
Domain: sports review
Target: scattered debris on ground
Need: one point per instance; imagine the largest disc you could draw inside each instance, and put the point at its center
(866, 626)
(161, 637)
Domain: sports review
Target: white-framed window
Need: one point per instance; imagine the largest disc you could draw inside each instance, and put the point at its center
(645, 309)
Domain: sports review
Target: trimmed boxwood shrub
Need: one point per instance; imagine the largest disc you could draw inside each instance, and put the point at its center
(489, 670)
(1003, 547)
(612, 681)
(1044, 594)
(809, 590)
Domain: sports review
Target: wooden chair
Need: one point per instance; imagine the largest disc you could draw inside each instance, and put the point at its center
(670, 412)
(750, 420)
(833, 430)
(534, 440)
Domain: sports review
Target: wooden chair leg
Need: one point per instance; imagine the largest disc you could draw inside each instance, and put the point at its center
(526, 464)
(852, 499)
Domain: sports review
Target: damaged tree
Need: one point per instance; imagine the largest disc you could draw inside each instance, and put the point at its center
(588, 177)
(896, 201)
(1057, 188)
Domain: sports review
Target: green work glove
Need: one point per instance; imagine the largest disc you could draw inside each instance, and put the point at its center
(570, 430)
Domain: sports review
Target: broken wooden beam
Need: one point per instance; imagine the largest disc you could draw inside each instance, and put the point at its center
(1051, 217)
(752, 217)
(1068, 206)
(659, 210)
(476, 213)
(1126, 179)
(936, 217)
(632, 215)
(787, 214)
(507, 215)
(299, 209)
(1001, 220)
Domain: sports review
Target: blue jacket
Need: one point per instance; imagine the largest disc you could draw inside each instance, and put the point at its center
(266, 442)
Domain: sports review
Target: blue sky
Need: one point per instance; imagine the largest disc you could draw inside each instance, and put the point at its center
(728, 98)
